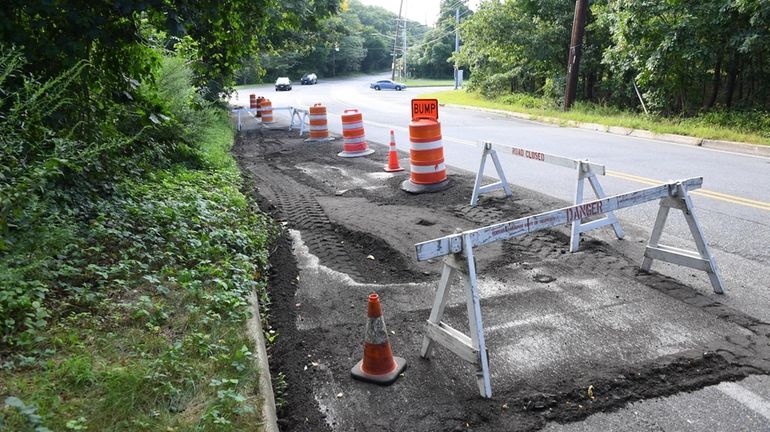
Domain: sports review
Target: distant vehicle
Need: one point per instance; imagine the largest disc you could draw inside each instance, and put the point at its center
(283, 83)
(387, 84)
(309, 78)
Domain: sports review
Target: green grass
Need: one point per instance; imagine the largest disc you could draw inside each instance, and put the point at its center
(419, 82)
(144, 321)
(748, 127)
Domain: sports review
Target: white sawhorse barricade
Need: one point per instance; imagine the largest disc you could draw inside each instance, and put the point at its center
(253, 112)
(458, 249)
(585, 171)
(303, 118)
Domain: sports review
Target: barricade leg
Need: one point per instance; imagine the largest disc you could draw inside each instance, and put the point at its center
(701, 260)
(502, 184)
(471, 349)
(578, 227)
(294, 113)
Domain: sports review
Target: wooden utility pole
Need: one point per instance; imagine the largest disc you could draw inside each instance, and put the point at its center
(573, 61)
(395, 42)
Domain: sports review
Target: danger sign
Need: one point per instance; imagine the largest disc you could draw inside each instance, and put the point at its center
(424, 109)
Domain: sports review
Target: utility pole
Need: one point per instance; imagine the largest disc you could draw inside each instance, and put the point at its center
(395, 42)
(457, 45)
(573, 61)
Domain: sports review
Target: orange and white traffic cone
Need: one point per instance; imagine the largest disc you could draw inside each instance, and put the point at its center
(378, 365)
(393, 165)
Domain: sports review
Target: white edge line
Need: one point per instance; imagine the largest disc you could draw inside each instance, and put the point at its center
(746, 397)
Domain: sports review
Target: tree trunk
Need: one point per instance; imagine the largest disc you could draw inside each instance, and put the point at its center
(732, 74)
(590, 81)
(717, 77)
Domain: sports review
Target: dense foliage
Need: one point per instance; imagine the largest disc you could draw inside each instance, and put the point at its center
(125, 264)
(684, 55)
(431, 57)
(112, 36)
(359, 38)
(127, 251)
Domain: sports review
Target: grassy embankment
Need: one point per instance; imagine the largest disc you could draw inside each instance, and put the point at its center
(749, 127)
(419, 82)
(134, 309)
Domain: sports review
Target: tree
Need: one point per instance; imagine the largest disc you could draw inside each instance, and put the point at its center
(433, 56)
(57, 34)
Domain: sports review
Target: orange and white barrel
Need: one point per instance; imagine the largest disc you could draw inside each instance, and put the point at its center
(259, 101)
(353, 133)
(319, 127)
(267, 112)
(426, 157)
(252, 101)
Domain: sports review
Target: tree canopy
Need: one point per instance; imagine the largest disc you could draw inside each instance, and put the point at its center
(684, 55)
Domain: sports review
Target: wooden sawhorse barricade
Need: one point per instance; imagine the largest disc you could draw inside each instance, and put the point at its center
(585, 171)
(458, 249)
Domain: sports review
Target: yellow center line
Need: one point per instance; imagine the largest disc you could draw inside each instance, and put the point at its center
(701, 192)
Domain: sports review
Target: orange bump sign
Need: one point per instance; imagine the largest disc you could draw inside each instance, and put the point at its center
(424, 109)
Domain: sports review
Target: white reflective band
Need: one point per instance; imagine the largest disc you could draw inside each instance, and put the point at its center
(375, 331)
(318, 127)
(356, 125)
(428, 169)
(427, 145)
(317, 116)
(355, 140)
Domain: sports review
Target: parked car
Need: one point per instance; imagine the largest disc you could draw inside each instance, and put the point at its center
(283, 83)
(309, 78)
(387, 84)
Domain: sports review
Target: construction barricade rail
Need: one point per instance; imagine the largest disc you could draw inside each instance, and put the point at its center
(458, 250)
(257, 112)
(585, 171)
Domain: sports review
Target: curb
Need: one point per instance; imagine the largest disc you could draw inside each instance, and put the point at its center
(254, 327)
(731, 146)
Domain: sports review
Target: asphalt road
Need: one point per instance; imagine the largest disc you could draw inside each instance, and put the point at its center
(733, 207)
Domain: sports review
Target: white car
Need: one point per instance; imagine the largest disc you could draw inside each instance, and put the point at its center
(283, 83)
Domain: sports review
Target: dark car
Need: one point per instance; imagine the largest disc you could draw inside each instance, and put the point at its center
(283, 83)
(309, 78)
(387, 84)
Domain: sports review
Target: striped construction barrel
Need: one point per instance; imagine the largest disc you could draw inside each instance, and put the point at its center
(260, 99)
(426, 157)
(353, 133)
(319, 128)
(267, 112)
(426, 153)
(252, 101)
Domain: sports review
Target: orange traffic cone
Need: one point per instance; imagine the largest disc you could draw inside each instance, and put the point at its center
(393, 165)
(378, 365)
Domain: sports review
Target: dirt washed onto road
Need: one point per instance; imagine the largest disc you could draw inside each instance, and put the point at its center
(556, 323)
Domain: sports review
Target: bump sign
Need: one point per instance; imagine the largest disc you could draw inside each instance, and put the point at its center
(424, 109)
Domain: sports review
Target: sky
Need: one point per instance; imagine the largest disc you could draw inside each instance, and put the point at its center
(422, 11)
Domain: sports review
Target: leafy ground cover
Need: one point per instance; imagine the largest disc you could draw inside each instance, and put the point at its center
(148, 330)
(124, 286)
(742, 126)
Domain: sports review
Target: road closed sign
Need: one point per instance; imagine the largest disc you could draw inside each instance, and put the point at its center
(424, 109)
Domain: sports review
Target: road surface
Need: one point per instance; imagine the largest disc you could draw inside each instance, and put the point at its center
(733, 207)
